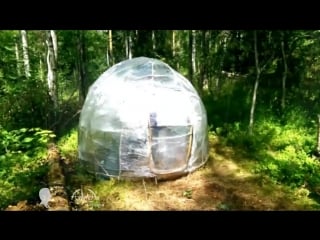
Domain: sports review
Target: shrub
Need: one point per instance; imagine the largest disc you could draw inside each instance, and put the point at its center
(22, 163)
(291, 166)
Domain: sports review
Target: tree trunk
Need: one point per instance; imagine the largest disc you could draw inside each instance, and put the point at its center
(284, 76)
(111, 59)
(191, 56)
(128, 45)
(81, 64)
(218, 75)
(41, 71)
(18, 59)
(108, 56)
(203, 66)
(55, 44)
(177, 47)
(221, 43)
(52, 74)
(25, 53)
(256, 84)
(153, 41)
(173, 45)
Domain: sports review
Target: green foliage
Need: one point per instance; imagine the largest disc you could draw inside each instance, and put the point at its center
(292, 167)
(22, 163)
(26, 104)
(187, 193)
(24, 140)
(68, 144)
(236, 135)
(296, 138)
(278, 135)
(228, 105)
(282, 151)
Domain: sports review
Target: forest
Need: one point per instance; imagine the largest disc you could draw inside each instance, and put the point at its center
(260, 88)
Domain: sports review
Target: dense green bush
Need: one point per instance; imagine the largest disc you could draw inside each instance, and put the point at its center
(22, 163)
(25, 104)
(236, 135)
(282, 149)
(292, 167)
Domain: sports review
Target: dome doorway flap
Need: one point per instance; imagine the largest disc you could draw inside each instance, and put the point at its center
(170, 148)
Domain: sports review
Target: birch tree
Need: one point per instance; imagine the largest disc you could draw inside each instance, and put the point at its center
(192, 55)
(110, 48)
(52, 74)
(128, 46)
(54, 44)
(25, 53)
(18, 58)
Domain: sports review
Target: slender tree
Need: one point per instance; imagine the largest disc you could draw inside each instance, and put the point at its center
(52, 72)
(54, 44)
(110, 48)
(153, 39)
(192, 55)
(128, 43)
(18, 58)
(82, 65)
(284, 75)
(256, 83)
(259, 70)
(25, 53)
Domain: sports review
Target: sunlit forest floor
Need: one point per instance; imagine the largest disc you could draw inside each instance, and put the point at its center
(224, 183)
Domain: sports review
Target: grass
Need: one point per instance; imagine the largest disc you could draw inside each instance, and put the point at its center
(226, 182)
(68, 145)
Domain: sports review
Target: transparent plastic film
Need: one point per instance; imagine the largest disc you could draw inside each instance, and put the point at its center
(141, 118)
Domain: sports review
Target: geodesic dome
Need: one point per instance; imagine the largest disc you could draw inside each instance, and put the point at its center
(141, 118)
